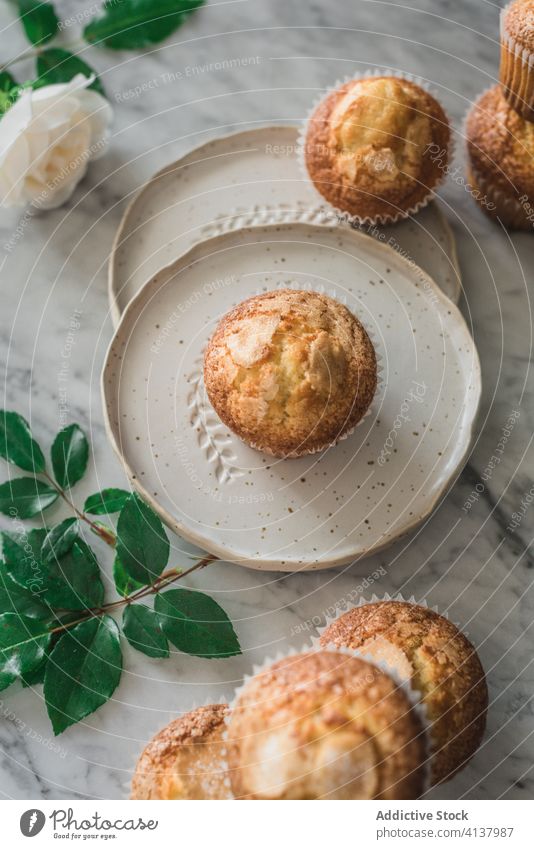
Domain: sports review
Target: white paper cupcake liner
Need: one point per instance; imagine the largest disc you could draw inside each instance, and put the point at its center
(519, 93)
(414, 697)
(388, 218)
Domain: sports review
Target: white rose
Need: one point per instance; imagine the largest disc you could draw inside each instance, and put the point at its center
(47, 139)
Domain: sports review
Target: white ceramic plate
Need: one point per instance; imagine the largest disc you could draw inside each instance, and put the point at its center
(316, 511)
(218, 185)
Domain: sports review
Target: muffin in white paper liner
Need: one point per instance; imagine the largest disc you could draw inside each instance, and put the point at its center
(342, 608)
(380, 219)
(495, 202)
(412, 695)
(340, 298)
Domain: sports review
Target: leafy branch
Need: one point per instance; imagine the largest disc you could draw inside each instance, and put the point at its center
(55, 626)
(120, 25)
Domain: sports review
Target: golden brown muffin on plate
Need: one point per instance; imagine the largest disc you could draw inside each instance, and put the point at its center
(377, 147)
(290, 372)
(185, 759)
(501, 160)
(517, 56)
(325, 725)
(430, 653)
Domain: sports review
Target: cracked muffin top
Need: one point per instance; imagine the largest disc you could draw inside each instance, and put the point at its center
(290, 371)
(377, 147)
(325, 725)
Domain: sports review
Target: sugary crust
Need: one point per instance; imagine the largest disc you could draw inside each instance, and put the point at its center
(290, 372)
(325, 725)
(500, 144)
(185, 759)
(518, 22)
(416, 167)
(439, 661)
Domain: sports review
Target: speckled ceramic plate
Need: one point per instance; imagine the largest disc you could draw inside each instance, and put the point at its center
(230, 182)
(316, 511)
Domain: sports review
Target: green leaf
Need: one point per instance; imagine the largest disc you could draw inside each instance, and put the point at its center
(83, 671)
(22, 646)
(137, 23)
(142, 544)
(13, 599)
(74, 582)
(7, 82)
(124, 585)
(36, 676)
(22, 554)
(26, 497)
(107, 501)
(142, 629)
(70, 453)
(56, 65)
(17, 445)
(59, 540)
(39, 20)
(196, 624)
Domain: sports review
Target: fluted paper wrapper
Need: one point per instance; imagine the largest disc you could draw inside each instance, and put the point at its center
(370, 220)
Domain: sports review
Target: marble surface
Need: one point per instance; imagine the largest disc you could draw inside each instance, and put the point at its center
(55, 326)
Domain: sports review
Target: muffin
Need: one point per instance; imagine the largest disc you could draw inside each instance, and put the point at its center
(377, 147)
(500, 145)
(325, 725)
(437, 659)
(290, 372)
(517, 56)
(185, 760)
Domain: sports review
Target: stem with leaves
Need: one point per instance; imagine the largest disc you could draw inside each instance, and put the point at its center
(55, 625)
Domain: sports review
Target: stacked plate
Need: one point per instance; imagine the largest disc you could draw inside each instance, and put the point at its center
(232, 219)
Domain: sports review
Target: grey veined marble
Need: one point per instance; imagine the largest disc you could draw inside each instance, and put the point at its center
(472, 558)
